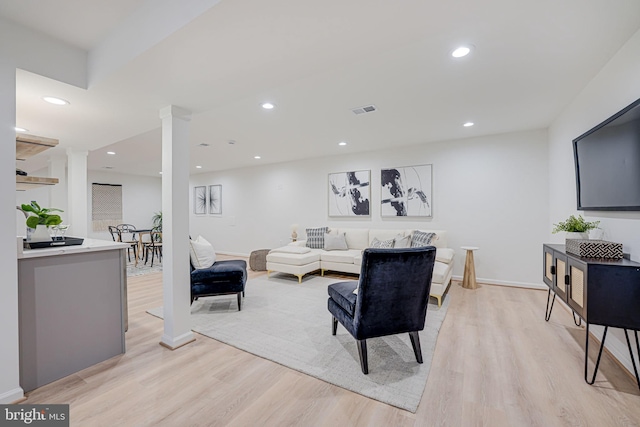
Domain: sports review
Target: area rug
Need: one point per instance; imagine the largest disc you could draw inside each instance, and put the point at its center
(289, 323)
(142, 269)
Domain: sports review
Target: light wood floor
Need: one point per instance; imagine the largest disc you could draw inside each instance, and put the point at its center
(497, 363)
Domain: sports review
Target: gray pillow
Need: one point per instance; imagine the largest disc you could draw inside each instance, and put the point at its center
(335, 242)
(420, 239)
(315, 237)
(402, 241)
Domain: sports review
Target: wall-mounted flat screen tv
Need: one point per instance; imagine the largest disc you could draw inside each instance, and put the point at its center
(607, 160)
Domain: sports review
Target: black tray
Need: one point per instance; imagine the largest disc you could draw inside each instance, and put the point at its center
(60, 241)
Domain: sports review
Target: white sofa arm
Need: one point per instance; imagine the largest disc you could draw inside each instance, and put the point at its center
(298, 243)
(445, 255)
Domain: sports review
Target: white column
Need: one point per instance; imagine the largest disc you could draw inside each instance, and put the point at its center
(77, 215)
(10, 390)
(175, 227)
(57, 168)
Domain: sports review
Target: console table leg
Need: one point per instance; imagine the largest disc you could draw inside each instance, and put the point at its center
(633, 362)
(547, 311)
(586, 354)
(579, 322)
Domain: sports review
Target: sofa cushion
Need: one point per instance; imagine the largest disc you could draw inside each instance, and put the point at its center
(335, 242)
(445, 255)
(344, 257)
(201, 253)
(294, 259)
(292, 250)
(421, 238)
(357, 238)
(315, 237)
(342, 294)
(440, 271)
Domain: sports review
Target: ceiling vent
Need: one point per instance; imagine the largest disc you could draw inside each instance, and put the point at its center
(366, 109)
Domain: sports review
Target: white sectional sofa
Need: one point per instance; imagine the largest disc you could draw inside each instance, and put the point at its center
(299, 260)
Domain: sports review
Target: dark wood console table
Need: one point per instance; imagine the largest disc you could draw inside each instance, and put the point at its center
(602, 292)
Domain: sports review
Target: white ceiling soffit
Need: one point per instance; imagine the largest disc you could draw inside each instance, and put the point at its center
(316, 61)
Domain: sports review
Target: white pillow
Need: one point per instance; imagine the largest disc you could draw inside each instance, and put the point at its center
(402, 241)
(202, 253)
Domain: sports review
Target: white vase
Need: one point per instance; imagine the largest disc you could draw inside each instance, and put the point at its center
(575, 235)
(41, 234)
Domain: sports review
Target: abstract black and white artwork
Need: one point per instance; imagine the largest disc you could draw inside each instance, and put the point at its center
(200, 200)
(215, 199)
(349, 193)
(406, 191)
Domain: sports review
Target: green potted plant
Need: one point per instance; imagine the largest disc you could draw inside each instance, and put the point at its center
(156, 220)
(39, 219)
(576, 228)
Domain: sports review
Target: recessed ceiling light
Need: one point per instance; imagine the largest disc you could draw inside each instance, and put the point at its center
(111, 152)
(257, 157)
(231, 142)
(461, 51)
(160, 173)
(342, 143)
(268, 106)
(55, 101)
(107, 167)
(204, 144)
(21, 129)
(468, 124)
(198, 167)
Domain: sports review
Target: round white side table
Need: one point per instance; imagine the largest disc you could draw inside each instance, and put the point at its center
(469, 278)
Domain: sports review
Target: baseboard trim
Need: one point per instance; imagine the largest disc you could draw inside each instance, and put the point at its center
(15, 395)
(173, 344)
(505, 283)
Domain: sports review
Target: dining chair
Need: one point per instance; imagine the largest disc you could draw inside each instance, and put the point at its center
(127, 233)
(154, 245)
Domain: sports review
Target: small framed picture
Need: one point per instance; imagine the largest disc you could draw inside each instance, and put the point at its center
(215, 199)
(200, 200)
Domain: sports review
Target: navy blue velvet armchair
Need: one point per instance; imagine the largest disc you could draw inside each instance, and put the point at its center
(222, 278)
(392, 297)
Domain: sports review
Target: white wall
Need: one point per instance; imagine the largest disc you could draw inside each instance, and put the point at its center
(490, 191)
(616, 86)
(141, 198)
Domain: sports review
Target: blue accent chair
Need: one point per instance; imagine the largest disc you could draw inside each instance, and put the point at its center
(222, 278)
(392, 298)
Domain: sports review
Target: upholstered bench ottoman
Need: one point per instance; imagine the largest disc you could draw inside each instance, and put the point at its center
(294, 260)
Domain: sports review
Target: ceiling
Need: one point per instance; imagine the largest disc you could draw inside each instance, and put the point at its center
(315, 61)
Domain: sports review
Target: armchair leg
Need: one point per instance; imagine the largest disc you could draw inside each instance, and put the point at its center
(334, 325)
(415, 343)
(362, 352)
(239, 301)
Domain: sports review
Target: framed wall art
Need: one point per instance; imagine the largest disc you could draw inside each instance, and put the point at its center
(349, 193)
(200, 200)
(406, 191)
(215, 199)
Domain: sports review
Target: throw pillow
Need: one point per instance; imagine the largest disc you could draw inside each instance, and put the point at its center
(335, 242)
(375, 243)
(202, 253)
(315, 237)
(402, 241)
(421, 238)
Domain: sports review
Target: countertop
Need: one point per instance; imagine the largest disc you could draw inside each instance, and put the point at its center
(89, 245)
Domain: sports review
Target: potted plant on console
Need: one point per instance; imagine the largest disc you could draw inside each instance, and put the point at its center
(576, 228)
(40, 219)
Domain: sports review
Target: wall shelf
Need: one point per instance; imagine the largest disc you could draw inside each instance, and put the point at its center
(28, 146)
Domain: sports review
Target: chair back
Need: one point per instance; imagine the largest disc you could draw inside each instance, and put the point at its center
(156, 235)
(115, 234)
(127, 232)
(393, 291)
